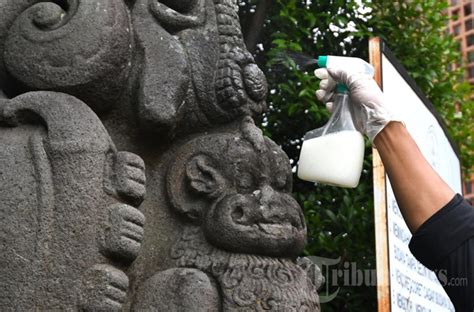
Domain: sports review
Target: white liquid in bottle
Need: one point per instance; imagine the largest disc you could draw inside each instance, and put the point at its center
(334, 159)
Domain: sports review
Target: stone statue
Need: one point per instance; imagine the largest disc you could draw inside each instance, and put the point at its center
(240, 229)
(132, 176)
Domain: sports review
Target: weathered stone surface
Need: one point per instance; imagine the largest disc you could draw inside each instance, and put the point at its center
(179, 290)
(82, 48)
(102, 101)
(55, 163)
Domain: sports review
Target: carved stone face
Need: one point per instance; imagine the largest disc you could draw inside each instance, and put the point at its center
(239, 190)
(256, 213)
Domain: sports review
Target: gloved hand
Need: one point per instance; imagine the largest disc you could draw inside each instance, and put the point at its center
(370, 111)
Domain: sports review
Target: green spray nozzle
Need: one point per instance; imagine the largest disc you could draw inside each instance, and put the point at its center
(323, 61)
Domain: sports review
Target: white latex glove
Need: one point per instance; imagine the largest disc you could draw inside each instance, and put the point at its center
(371, 114)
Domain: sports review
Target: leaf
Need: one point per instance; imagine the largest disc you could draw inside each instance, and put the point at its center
(331, 215)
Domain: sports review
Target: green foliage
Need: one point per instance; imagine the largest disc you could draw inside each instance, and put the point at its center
(340, 221)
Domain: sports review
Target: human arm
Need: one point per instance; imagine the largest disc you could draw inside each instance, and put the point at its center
(442, 223)
(419, 190)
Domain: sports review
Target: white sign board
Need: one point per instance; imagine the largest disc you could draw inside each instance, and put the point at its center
(412, 286)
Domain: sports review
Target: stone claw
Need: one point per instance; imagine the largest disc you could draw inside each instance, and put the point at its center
(124, 233)
(130, 178)
(104, 288)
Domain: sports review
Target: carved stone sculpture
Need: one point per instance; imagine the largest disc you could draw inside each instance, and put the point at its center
(91, 91)
(240, 229)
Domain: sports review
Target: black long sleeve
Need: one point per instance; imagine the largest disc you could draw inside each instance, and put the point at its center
(445, 245)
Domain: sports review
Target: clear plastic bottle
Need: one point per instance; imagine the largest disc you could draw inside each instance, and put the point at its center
(334, 154)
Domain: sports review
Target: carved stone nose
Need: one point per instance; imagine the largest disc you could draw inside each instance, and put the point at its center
(242, 212)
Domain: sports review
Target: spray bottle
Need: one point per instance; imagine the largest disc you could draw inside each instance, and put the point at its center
(334, 154)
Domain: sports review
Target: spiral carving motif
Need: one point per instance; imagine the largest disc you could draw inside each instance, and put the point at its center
(244, 296)
(80, 47)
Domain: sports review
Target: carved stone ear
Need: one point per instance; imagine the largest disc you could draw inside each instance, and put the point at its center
(193, 181)
(203, 178)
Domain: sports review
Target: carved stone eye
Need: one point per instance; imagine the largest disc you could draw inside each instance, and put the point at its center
(181, 6)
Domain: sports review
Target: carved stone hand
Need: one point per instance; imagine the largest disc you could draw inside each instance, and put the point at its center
(129, 178)
(124, 234)
(103, 288)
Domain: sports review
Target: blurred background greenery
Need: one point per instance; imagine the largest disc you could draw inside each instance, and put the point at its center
(340, 221)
